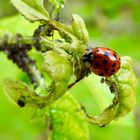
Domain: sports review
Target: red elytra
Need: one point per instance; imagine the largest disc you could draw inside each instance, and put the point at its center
(103, 61)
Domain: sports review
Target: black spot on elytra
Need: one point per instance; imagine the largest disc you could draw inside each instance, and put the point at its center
(101, 74)
(114, 64)
(112, 70)
(115, 56)
(105, 62)
(97, 50)
(114, 52)
(106, 54)
(20, 103)
(97, 64)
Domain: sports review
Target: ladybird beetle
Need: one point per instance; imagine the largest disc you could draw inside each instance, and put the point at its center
(102, 61)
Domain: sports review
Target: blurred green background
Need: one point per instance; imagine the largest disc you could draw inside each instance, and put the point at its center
(114, 24)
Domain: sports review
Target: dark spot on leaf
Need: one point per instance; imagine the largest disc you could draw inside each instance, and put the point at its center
(20, 103)
(103, 125)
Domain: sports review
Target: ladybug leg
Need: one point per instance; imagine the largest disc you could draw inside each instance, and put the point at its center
(72, 84)
(80, 75)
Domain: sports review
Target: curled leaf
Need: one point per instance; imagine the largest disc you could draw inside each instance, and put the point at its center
(58, 68)
(22, 95)
(122, 85)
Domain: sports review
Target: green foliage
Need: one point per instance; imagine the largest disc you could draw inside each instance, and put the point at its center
(58, 69)
(57, 6)
(65, 116)
(66, 119)
(7, 26)
(10, 10)
(79, 28)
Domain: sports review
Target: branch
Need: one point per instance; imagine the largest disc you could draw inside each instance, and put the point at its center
(17, 49)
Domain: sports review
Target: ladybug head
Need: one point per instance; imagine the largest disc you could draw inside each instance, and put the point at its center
(88, 56)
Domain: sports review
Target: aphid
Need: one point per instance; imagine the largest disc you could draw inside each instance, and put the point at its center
(102, 61)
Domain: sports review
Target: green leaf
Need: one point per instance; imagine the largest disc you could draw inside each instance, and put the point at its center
(33, 10)
(79, 28)
(68, 120)
(58, 67)
(16, 24)
(15, 90)
(20, 94)
(59, 70)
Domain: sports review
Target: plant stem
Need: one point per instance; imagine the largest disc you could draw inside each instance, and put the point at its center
(17, 48)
